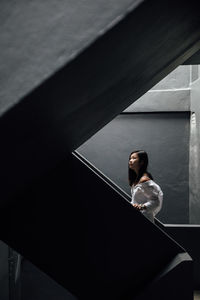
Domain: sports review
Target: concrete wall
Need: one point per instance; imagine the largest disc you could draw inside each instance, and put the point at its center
(180, 91)
(162, 101)
(178, 79)
(195, 153)
(165, 137)
(4, 272)
(163, 131)
(170, 94)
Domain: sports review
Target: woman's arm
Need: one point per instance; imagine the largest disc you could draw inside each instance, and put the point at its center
(154, 198)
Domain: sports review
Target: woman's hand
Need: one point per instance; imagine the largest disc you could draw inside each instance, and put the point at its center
(139, 206)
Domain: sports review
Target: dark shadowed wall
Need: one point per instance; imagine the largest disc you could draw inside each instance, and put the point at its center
(4, 272)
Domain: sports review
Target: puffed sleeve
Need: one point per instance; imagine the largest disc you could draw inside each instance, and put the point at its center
(154, 196)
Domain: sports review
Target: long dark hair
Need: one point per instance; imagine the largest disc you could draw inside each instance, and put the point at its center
(132, 176)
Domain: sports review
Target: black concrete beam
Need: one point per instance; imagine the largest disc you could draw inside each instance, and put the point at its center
(193, 60)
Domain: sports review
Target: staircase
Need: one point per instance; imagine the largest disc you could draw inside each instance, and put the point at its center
(61, 83)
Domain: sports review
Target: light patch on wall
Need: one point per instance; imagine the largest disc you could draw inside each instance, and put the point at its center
(193, 140)
(193, 164)
(193, 119)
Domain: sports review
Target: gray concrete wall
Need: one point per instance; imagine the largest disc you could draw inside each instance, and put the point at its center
(170, 94)
(178, 79)
(195, 153)
(162, 101)
(165, 137)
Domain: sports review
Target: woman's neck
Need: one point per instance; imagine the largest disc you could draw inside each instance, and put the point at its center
(137, 172)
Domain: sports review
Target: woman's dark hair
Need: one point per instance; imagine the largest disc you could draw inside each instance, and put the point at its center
(132, 176)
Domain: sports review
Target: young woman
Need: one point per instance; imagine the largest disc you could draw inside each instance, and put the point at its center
(147, 195)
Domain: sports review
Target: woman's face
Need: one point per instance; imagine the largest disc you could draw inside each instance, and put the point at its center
(134, 162)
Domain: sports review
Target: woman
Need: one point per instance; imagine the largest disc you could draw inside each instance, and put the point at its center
(147, 196)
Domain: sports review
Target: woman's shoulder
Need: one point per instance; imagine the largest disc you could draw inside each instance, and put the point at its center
(151, 186)
(144, 178)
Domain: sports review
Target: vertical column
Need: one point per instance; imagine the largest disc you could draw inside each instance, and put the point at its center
(4, 272)
(194, 161)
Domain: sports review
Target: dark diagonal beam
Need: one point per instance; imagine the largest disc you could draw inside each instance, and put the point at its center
(193, 60)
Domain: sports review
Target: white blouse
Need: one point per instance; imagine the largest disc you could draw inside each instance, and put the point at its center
(150, 194)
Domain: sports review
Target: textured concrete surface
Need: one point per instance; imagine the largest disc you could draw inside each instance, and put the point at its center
(172, 93)
(38, 37)
(177, 79)
(162, 101)
(195, 154)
